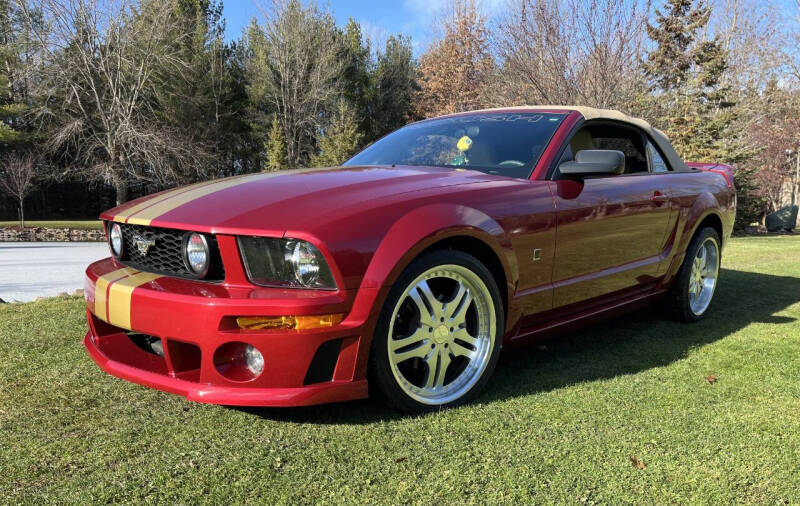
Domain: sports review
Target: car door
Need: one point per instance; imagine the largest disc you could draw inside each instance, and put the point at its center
(610, 229)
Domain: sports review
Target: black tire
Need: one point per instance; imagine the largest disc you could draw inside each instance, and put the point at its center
(680, 305)
(382, 380)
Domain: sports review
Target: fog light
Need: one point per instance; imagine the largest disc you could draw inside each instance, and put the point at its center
(254, 359)
(238, 361)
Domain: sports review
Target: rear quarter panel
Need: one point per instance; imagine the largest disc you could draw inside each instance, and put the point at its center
(698, 194)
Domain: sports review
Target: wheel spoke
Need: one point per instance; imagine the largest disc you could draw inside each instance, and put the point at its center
(456, 310)
(451, 307)
(702, 258)
(419, 335)
(427, 305)
(430, 298)
(463, 335)
(421, 351)
(444, 362)
(432, 361)
(461, 351)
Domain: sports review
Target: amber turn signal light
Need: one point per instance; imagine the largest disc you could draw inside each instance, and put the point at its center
(289, 322)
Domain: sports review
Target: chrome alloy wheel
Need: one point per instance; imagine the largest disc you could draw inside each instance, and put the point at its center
(703, 278)
(441, 334)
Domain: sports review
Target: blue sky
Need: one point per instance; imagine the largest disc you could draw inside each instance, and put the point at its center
(379, 18)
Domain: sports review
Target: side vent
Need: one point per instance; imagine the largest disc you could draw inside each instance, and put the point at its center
(324, 362)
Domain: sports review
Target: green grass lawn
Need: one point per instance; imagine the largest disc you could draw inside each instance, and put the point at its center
(558, 423)
(76, 224)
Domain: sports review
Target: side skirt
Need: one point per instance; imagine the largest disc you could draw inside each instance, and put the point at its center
(557, 326)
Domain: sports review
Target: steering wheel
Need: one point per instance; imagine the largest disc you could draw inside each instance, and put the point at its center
(511, 163)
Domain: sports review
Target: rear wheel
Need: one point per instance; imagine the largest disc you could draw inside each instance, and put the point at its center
(439, 334)
(697, 280)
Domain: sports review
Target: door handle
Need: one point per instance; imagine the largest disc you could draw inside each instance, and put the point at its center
(659, 197)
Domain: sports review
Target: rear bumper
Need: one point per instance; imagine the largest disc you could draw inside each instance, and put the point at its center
(194, 320)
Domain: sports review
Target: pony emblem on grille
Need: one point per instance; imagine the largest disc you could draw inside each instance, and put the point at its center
(142, 244)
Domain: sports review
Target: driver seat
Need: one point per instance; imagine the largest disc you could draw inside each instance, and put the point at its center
(582, 140)
(481, 154)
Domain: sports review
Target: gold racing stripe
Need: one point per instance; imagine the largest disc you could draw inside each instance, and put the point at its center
(119, 298)
(146, 212)
(147, 215)
(101, 290)
(124, 215)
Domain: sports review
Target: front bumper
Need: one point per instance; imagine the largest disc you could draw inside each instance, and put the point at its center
(194, 319)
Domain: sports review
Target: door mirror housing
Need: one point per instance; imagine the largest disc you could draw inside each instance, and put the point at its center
(594, 162)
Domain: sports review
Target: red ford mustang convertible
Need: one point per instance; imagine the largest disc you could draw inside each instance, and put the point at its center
(409, 267)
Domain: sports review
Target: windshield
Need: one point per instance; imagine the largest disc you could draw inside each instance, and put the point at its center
(506, 144)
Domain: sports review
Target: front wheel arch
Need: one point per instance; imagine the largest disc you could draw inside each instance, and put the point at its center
(483, 252)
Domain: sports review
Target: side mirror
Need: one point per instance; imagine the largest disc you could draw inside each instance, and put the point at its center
(593, 162)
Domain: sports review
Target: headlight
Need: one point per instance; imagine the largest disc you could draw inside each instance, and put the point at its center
(115, 239)
(305, 261)
(196, 253)
(285, 262)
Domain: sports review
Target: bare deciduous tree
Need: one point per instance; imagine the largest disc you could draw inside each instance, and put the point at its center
(293, 71)
(18, 178)
(456, 71)
(751, 35)
(95, 74)
(571, 52)
(791, 54)
(775, 138)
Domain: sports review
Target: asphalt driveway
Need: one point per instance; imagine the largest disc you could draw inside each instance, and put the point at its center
(44, 269)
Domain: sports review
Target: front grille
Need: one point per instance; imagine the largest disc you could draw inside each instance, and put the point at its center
(166, 255)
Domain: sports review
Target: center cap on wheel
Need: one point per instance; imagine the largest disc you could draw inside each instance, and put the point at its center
(441, 333)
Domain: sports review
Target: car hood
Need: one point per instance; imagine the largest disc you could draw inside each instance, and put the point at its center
(277, 201)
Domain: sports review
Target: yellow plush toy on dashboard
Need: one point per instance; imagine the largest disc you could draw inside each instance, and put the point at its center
(464, 143)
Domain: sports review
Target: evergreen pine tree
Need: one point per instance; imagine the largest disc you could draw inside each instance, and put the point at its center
(276, 147)
(13, 108)
(394, 84)
(693, 104)
(357, 72)
(341, 141)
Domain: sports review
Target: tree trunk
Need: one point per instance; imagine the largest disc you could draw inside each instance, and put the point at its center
(21, 215)
(762, 220)
(122, 193)
(796, 180)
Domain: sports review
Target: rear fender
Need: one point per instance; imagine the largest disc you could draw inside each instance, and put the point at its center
(705, 205)
(690, 219)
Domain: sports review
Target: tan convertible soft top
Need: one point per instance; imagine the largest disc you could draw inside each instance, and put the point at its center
(590, 113)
